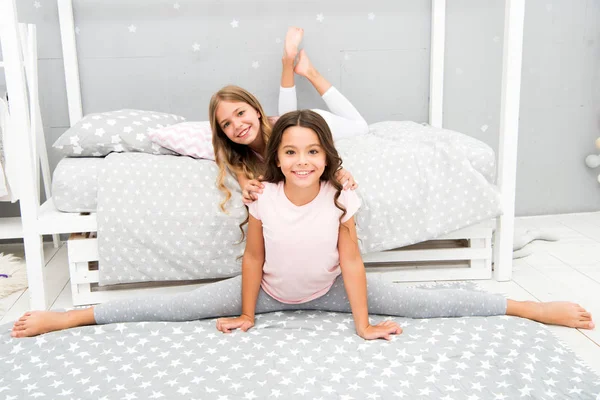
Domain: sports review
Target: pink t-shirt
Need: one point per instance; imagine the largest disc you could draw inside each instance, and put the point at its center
(301, 254)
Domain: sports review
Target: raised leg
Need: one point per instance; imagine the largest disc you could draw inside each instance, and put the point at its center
(287, 92)
(306, 69)
(293, 38)
(343, 118)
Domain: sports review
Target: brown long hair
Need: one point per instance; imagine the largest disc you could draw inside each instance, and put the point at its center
(234, 156)
(313, 121)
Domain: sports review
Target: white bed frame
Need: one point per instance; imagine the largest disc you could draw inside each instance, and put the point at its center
(12, 227)
(38, 220)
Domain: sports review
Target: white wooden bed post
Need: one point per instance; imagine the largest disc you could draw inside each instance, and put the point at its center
(436, 67)
(20, 115)
(28, 35)
(509, 116)
(509, 133)
(69, 48)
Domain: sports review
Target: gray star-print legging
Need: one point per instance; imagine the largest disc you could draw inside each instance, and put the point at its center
(224, 298)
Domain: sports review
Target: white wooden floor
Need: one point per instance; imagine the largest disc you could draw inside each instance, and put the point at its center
(565, 270)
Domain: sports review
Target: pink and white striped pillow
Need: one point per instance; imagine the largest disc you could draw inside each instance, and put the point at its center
(192, 139)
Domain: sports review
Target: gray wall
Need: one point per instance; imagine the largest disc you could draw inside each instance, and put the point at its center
(381, 63)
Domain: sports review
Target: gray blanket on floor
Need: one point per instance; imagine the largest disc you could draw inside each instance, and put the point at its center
(297, 355)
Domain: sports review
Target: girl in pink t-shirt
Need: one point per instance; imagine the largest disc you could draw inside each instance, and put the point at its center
(302, 253)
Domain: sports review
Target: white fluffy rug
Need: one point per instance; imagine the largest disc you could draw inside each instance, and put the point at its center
(13, 274)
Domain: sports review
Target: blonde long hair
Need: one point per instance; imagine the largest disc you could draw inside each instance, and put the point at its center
(233, 156)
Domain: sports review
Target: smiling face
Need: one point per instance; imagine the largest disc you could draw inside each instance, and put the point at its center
(300, 157)
(239, 121)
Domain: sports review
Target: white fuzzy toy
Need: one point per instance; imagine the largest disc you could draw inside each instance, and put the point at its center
(13, 274)
(593, 160)
(522, 237)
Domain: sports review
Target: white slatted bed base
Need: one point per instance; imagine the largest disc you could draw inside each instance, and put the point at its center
(441, 258)
(83, 255)
(462, 254)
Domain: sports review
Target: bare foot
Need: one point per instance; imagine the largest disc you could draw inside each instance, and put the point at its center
(37, 322)
(293, 37)
(564, 313)
(304, 67)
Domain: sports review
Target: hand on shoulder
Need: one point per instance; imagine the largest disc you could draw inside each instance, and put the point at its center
(251, 190)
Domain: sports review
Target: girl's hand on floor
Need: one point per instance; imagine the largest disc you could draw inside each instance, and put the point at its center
(251, 191)
(243, 322)
(382, 330)
(346, 179)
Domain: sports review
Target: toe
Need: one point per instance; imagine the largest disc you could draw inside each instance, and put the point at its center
(584, 325)
(585, 316)
(17, 334)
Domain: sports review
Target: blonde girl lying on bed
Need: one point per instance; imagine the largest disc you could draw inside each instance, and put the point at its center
(241, 128)
(302, 253)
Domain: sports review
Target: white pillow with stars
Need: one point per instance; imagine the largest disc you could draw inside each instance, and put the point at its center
(97, 135)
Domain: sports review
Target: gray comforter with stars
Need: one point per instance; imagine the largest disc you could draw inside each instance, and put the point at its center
(159, 219)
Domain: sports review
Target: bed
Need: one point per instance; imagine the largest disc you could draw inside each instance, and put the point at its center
(158, 216)
(294, 354)
(46, 219)
(75, 179)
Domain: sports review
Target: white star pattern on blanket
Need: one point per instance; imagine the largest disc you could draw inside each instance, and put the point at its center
(158, 217)
(179, 232)
(425, 182)
(303, 354)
